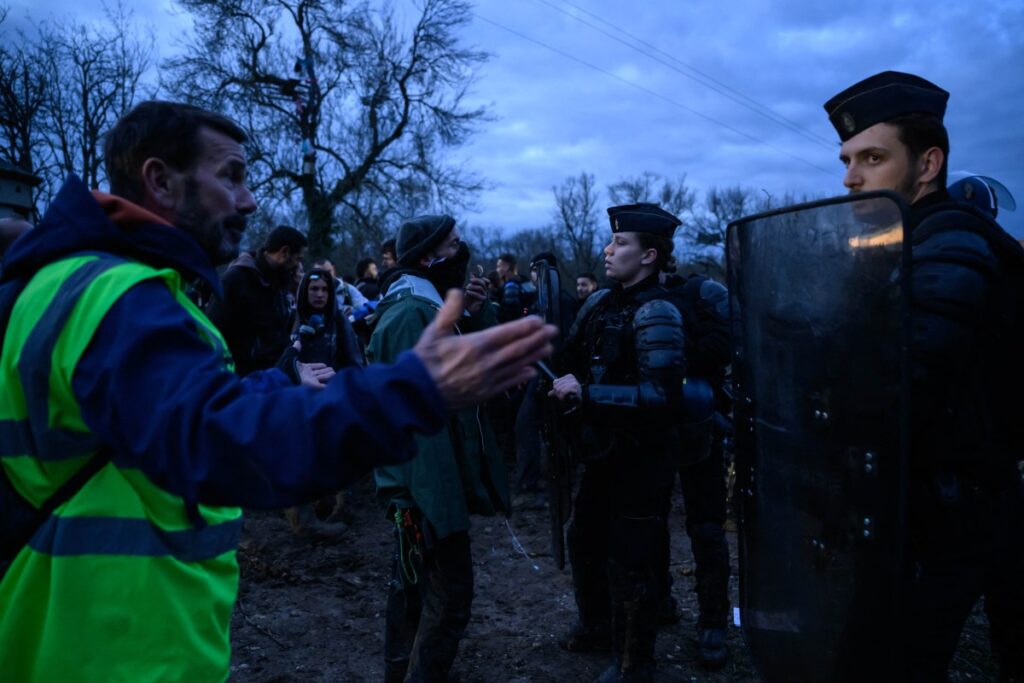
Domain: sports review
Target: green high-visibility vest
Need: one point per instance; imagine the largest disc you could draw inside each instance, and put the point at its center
(123, 581)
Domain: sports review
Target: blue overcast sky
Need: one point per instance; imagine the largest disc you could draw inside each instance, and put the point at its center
(556, 116)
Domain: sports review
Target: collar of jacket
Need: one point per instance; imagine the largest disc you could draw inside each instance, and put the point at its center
(647, 282)
(930, 200)
(267, 275)
(416, 286)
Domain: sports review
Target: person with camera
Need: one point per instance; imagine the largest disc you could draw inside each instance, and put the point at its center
(320, 333)
(323, 341)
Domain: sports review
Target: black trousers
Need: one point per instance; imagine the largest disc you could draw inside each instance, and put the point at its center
(966, 545)
(704, 497)
(615, 547)
(428, 606)
(529, 466)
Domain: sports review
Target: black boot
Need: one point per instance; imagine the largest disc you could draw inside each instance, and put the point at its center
(643, 673)
(668, 611)
(593, 636)
(711, 649)
(634, 630)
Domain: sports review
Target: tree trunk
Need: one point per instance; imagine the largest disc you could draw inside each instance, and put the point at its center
(319, 216)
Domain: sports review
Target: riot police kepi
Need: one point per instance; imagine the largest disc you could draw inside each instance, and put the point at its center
(625, 356)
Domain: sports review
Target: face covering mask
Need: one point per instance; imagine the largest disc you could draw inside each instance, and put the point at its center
(449, 272)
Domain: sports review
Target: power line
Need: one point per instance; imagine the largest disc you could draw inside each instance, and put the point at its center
(702, 78)
(653, 93)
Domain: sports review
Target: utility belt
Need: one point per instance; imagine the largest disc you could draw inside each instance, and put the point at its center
(617, 420)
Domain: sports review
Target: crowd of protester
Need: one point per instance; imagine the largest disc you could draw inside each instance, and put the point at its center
(282, 306)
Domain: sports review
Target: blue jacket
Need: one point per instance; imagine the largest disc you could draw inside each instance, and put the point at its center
(153, 389)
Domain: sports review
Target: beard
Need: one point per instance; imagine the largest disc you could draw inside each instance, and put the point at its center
(907, 187)
(219, 238)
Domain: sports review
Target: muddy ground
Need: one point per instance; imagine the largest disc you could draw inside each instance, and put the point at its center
(313, 610)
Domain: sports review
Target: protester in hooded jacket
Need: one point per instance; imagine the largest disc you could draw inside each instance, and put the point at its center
(255, 311)
(455, 473)
(320, 333)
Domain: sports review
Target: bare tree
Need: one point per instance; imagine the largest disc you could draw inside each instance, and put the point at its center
(349, 114)
(62, 87)
(704, 235)
(487, 244)
(672, 195)
(576, 218)
(23, 96)
(98, 72)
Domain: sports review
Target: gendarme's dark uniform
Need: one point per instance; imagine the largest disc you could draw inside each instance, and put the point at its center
(627, 349)
(966, 496)
(700, 463)
(967, 331)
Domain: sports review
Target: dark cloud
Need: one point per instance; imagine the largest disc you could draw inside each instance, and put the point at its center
(557, 117)
(790, 56)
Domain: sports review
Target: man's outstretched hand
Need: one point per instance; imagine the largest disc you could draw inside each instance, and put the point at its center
(474, 367)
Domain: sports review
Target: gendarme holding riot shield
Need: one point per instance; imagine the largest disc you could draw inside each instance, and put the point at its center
(877, 361)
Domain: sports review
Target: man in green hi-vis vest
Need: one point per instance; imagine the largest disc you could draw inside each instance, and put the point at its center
(107, 368)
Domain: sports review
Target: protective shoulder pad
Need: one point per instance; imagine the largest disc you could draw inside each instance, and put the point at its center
(589, 305)
(956, 217)
(657, 312)
(660, 342)
(586, 309)
(716, 296)
(955, 248)
(952, 278)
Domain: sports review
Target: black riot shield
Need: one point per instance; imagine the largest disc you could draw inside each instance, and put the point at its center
(549, 295)
(557, 459)
(819, 313)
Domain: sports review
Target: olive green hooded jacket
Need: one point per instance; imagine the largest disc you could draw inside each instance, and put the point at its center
(458, 471)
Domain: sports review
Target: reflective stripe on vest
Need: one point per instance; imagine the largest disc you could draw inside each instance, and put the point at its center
(34, 370)
(69, 536)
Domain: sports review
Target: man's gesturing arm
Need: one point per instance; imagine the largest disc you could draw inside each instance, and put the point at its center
(154, 390)
(471, 368)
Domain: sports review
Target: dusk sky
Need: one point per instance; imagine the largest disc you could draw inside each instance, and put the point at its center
(699, 94)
